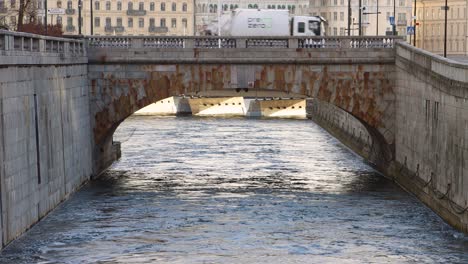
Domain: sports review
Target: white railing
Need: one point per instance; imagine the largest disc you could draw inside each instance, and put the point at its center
(25, 42)
(213, 42)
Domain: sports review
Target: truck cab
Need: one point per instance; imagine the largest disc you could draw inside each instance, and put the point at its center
(307, 26)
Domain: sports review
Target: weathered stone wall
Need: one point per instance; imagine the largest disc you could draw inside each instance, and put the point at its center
(342, 125)
(431, 147)
(45, 146)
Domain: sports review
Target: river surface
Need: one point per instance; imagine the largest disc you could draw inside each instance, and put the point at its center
(203, 190)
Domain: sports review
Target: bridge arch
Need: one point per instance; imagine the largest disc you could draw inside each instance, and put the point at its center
(360, 83)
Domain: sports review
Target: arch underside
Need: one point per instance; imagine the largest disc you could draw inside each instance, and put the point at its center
(364, 91)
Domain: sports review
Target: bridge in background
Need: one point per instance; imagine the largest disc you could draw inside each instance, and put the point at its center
(403, 109)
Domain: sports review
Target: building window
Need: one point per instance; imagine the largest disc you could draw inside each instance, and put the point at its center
(119, 22)
(97, 5)
(97, 22)
(174, 7)
(341, 16)
(184, 7)
(130, 22)
(108, 22)
(13, 4)
(151, 21)
(141, 6)
(173, 23)
(402, 2)
(184, 22)
(163, 22)
(108, 5)
(13, 20)
(69, 21)
(335, 16)
(163, 6)
(59, 20)
(152, 6)
(141, 22)
(69, 5)
(119, 6)
(130, 6)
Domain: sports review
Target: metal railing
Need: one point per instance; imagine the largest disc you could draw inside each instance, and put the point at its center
(242, 42)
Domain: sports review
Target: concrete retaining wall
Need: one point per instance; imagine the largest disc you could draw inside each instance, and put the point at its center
(45, 147)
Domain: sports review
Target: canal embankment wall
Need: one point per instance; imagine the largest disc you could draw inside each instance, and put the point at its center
(45, 146)
(431, 131)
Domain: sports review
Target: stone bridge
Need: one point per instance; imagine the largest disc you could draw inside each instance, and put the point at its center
(355, 74)
(401, 108)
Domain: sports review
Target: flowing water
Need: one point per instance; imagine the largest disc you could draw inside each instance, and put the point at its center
(202, 190)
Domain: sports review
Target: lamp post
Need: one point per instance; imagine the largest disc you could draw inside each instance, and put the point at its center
(349, 17)
(446, 8)
(45, 21)
(377, 13)
(360, 18)
(91, 14)
(394, 18)
(79, 16)
(414, 24)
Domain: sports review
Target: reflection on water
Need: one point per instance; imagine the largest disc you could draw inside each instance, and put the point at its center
(191, 190)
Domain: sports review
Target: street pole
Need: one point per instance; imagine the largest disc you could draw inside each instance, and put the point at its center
(394, 18)
(92, 19)
(377, 27)
(219, 24)
(79, 17)
(414, 24)
(445, 33)
(360, 18)
(349, 17)
(45, 10)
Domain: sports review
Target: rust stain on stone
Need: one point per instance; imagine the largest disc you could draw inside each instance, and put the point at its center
(353, 89)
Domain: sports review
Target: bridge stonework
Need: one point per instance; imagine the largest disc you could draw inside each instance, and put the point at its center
(357, 80)
(402, 109)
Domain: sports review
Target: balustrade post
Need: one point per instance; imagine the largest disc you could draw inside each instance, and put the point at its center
(189, 43)
(6, 43)
(42, 45)
(241, 43)
(66, 49)
(83, 48)
(293, 43)
(345, 43)
(136, 43)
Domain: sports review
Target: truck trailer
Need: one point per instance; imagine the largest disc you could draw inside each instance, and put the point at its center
(266, 22)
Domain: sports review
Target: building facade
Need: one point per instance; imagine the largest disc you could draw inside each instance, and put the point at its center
(431, 30)
(375, 16)
(206, 11)
(114, 17)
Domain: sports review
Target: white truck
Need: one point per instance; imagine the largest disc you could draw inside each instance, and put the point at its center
(266, 22)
